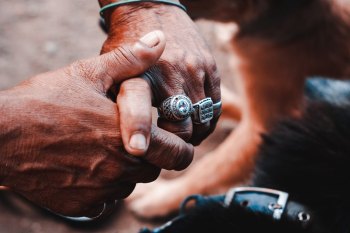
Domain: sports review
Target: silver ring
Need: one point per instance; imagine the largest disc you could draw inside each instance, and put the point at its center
(203, 111)
(218, 105)
(176, 108)
(108, 208)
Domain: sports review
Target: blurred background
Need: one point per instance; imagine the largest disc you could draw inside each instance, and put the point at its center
(37, 36)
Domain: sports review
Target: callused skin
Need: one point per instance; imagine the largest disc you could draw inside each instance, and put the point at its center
(186, 66)
(61, 144)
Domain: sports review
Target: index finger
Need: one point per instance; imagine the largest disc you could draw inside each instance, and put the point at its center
(135, 109)
(168, 151)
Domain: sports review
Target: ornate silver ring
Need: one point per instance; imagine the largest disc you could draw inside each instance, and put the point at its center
(176, 108)
(203, 111)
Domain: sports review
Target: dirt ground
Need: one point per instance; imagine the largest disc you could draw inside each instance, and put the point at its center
(37, 36)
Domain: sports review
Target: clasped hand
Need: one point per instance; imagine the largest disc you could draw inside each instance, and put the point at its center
(186, 67)
(61, 138)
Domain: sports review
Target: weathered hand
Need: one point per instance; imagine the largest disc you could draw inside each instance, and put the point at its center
(60, 135)
(186, 66)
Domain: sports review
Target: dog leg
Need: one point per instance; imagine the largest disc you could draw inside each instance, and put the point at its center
(232, 163)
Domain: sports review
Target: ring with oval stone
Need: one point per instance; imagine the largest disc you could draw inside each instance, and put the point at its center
(203, 111)
(176, 108)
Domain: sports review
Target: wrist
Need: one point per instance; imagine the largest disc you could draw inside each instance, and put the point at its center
(136, 12)
(107, 2)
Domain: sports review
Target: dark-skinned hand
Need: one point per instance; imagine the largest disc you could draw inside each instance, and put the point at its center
(61, 144)
(186, 67)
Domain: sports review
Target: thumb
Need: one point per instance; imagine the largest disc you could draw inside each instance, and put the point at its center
(124, 62)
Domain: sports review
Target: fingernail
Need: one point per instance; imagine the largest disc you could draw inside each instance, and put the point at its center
(151, 39)
(138, 141)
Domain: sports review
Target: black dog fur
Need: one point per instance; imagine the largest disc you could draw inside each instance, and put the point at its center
(308, 157)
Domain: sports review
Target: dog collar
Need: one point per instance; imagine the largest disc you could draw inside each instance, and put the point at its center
(259, 200)
(269, 201)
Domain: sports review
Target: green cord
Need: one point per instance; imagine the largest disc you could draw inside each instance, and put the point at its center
(131, 1)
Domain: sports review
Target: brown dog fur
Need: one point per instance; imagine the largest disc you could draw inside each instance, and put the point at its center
(279, 44)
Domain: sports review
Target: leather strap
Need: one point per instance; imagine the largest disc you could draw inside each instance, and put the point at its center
(271, 202)
(260, 200)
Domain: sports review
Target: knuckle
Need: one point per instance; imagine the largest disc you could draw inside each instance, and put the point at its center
(210, 62)
(195, 62)
(135, 85)
(196, 68)
(124, 56)
(198, 81)
(207, 55)
(194, 59)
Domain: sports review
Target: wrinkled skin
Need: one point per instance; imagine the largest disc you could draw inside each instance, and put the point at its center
(186, 66)
(61, 143)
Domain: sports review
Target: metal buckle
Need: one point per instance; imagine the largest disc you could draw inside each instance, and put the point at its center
(277, 208)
